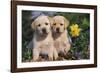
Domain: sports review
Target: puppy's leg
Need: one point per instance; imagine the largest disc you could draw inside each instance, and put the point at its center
(50, 55)
(67, 48)
(35, 54)
(55, 53)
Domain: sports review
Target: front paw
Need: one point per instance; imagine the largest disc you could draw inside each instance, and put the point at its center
(55, 55)
(50, 55)
(35, 54)
(35, 57)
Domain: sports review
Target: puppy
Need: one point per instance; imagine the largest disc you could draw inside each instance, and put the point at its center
(42, 40)
(61, 41)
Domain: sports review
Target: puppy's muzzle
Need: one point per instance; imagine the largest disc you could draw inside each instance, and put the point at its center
(44, 30)
(57, 30)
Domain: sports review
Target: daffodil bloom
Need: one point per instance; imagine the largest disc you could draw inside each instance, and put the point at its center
(75, 30)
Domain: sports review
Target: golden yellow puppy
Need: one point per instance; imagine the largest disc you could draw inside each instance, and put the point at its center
(42, 38)
(59, 29)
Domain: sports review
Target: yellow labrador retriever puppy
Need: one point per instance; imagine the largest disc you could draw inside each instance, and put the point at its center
(61, 41)
(42, 40)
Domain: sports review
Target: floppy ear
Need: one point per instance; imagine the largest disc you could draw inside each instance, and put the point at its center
(33, 25)
(66, 23)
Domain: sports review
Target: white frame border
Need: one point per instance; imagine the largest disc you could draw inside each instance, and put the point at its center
(20, 64)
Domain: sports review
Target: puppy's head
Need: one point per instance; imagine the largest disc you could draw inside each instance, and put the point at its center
(60, 23)
(42, 25)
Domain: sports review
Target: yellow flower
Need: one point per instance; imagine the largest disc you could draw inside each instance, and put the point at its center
(75, 30)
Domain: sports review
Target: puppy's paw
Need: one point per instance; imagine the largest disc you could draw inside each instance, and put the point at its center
(55, 55)
(67, 49)
(35, 54)
(50, 55)
(35, 57)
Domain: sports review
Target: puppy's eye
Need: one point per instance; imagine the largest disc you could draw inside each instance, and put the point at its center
(54, 24)
(39, 25)
(61, 24)
(46, 23)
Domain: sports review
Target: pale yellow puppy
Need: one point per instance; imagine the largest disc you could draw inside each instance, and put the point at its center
(59, 29)
(42, 38)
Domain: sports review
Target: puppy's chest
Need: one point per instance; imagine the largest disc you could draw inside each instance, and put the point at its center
(45, 45)
(59, 43)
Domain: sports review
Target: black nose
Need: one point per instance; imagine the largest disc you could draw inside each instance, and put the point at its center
(57, 29)
(44, 30)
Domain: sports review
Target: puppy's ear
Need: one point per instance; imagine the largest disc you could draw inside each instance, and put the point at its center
(33, 25)
(66, 21)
